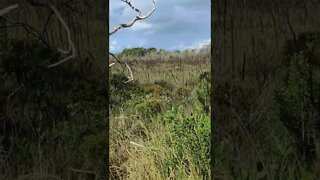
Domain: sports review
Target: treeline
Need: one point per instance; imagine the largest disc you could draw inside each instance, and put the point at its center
(161, 54)
(139, 51)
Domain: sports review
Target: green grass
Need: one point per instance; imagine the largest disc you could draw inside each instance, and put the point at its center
(161, 130)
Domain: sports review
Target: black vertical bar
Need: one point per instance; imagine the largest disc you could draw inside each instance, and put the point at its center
(107, 83)
(211, 91)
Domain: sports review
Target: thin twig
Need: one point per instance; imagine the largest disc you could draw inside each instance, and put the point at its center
(14, 92)
(8, 9)
(83, 171)
(132, 7)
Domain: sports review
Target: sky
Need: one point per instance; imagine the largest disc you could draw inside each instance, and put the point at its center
(175, 25)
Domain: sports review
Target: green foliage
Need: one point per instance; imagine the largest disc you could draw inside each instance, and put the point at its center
(294, 95)
(57, 107)
(151, 50)
(182, 141)
(165, 85)
(92, 147)
(203, 91)
(183, 92)
(134, 52)
(33, 88)
(121, 92)
(137, 52)
(295, 98)
(308, 43)
(148, 107)
(188, 134)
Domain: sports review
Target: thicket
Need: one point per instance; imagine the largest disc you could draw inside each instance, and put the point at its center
(298, 94)
(53, 120)
(265, 84)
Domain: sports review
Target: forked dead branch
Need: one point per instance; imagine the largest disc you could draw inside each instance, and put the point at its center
(71, 51)
(129, 24)
(71, 47)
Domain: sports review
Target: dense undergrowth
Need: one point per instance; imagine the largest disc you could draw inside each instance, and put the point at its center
(265, 86)
(267, 117)
(53, 121)
(159, 129)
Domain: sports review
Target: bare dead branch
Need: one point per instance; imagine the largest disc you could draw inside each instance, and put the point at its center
(129, 24)
(131, 75)
(132, 7)
(71, 47)
(8, 9)
(128, 67)
(136, 18)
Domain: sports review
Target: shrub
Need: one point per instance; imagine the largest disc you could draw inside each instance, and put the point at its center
(295, 108)
(203, 91)
(190, 135)
(57, 107)
(121, 92)
(165, 85)
(148, 107)
(183, 92)
(297, 96)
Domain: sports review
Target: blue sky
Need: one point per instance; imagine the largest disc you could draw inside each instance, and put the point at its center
(175, 25)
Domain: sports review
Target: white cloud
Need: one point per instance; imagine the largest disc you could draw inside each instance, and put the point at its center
(114, 46)
(141, 42)
(201, 44)
(160, 29)
(116, 8)
(196, 45)
(141, 26)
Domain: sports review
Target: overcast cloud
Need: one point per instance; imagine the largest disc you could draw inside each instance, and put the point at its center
(176, 24)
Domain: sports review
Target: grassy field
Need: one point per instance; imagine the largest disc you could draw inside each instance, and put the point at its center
(159, 123)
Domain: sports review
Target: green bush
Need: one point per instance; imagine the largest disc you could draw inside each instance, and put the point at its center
(189, 134)
(122, 92)
(203, 91)
(94, 147)
(294, 97)
(148, 107)
(297, 96)
(138, 52)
